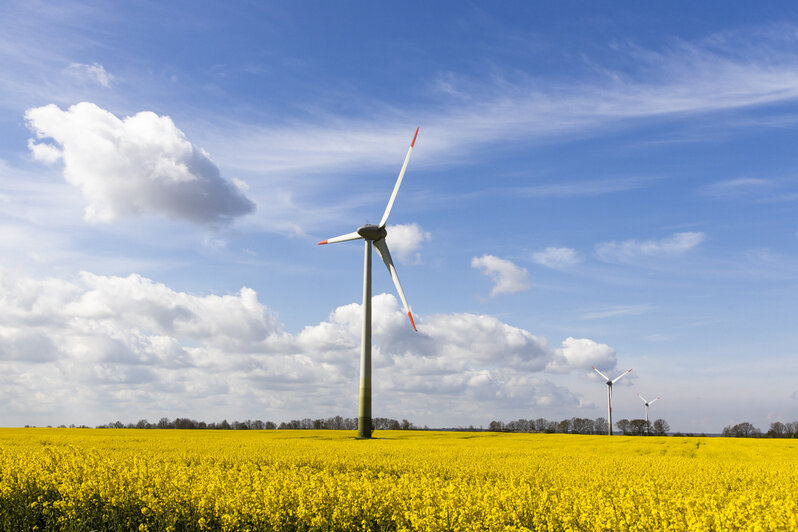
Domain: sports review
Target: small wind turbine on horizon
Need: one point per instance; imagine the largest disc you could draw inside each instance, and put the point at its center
(610, 382)
(374, 235)
(647, 403)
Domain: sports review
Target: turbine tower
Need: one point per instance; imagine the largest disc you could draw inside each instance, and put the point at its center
(374, 235)
(610, 382)
(647, 403)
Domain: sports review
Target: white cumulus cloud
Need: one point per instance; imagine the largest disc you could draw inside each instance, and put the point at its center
(507, 277)
(627, 250)
(404, 241)
(138, 164)
(579, 354)
(46, 153)
(556, 257)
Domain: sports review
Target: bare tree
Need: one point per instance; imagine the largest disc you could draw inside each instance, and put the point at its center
(522, 425)
(742, 430)
(661, 428)
(638, 427)
(581, 425)
(624, 426)
(777, 430)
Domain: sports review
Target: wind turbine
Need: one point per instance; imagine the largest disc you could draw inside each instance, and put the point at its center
(610, 382)
(374, 235)
(647, 403)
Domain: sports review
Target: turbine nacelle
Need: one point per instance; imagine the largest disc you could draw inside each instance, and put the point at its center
(647, 402)
(372, 232)
(609, 381)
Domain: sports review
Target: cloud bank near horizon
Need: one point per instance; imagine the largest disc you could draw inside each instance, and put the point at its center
(129, 345)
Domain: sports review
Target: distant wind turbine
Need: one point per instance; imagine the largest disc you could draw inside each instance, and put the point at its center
(610, 382)
(647, 403)
(374, 234)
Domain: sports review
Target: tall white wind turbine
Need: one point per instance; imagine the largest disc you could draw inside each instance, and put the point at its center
(374, 234)
(610, 382)
(647, 403)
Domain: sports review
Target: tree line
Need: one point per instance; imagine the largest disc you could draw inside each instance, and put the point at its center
(640, 427)
(747, 430)
(574, 425)
(579, 425)
(330, 423)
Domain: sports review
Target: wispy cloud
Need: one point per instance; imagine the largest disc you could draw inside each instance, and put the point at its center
(301, 162)
(752, 189)
(94, 73)
(628, 250)
(582, 188)
(686, 79)
(556, 257)
(38, 48)
(615, 311)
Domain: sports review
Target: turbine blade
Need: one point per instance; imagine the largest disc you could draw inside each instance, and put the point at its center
(600, 373)
(342, 238)
(382, 250)
(398, 183)
(624, 374)
(644, 399)
(654, 401)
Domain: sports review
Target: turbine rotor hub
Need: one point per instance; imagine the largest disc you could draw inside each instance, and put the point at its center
(372, 232)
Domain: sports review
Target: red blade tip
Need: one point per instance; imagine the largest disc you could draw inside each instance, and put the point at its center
(414, 138)
(412, 322)
(322, 242)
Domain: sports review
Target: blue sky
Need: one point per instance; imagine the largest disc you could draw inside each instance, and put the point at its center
(609, 185)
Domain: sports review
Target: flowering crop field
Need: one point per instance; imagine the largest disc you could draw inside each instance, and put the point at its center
(124, 479)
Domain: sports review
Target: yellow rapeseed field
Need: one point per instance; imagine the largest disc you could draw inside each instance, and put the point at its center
(120, 479)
